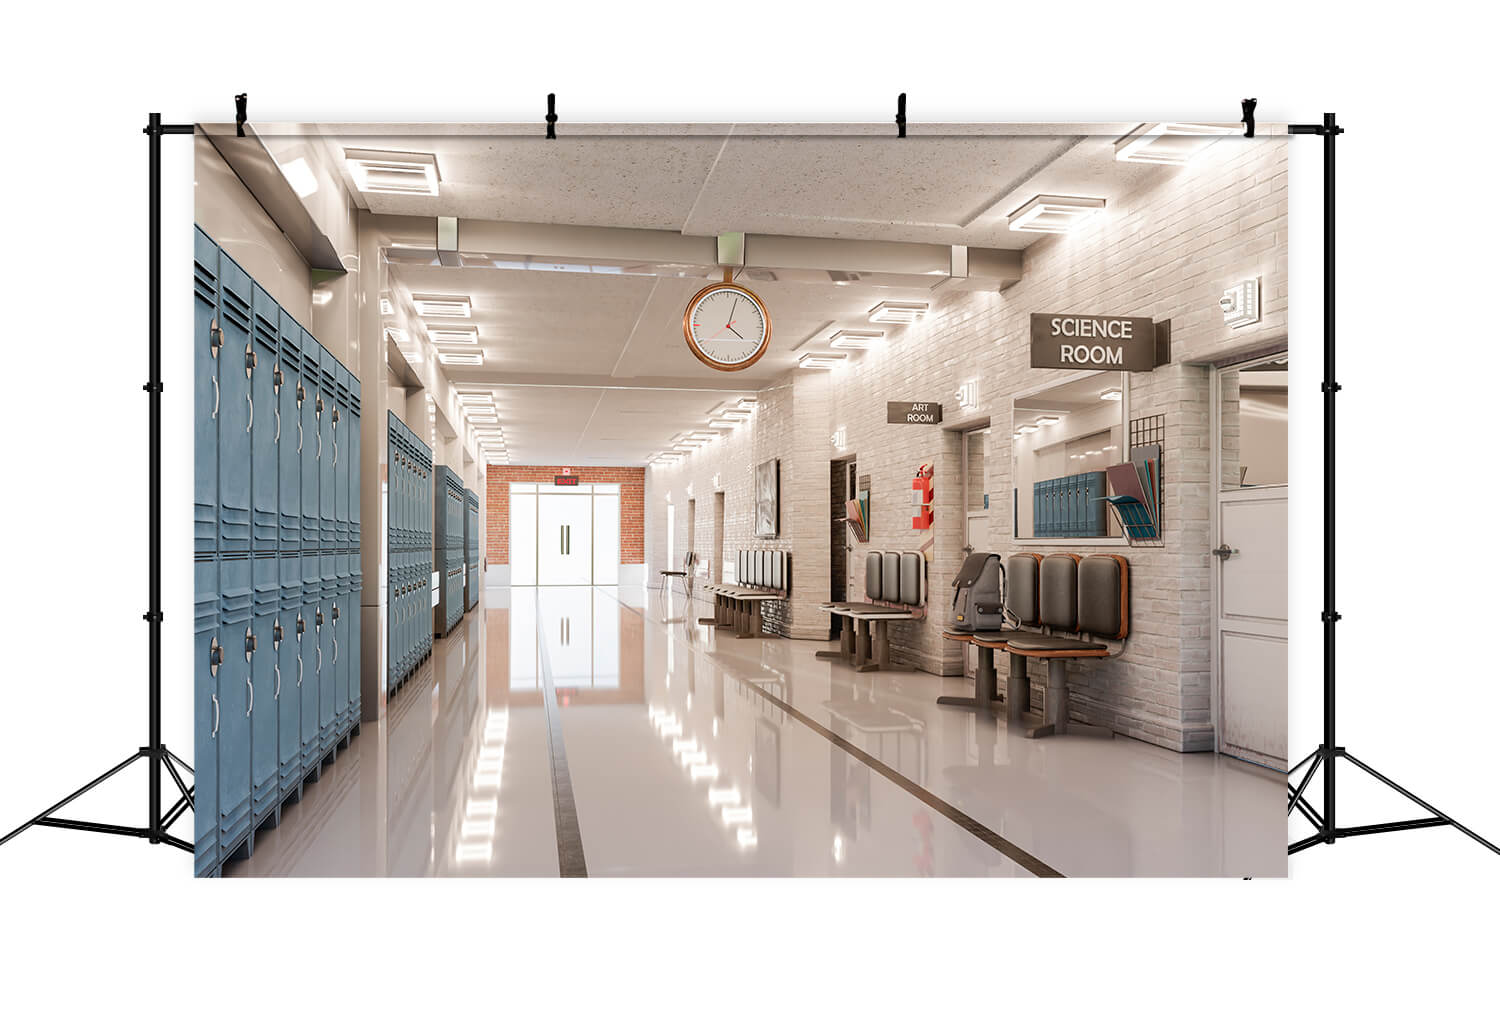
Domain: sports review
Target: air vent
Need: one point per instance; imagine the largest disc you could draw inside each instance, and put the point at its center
(391, 173)
(758, 274)
(453, 335)
(441, 305)
(843, 277)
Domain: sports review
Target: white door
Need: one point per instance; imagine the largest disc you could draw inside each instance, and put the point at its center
(564, 539)
(1250, 563)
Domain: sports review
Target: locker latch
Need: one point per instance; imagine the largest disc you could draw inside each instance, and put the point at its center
(249, 643)
(318, 407)
(335, 415)
(335, 613)
(318, 621)
(276, 378)
(215, 338)
(301, 625)
(249, 359)
(215, 656)
(276, 636)
(301, 394)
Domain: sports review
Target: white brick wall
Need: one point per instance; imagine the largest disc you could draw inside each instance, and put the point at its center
(1166, 251)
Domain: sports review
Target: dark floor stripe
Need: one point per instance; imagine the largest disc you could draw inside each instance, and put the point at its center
(570, 862)
(979, 831)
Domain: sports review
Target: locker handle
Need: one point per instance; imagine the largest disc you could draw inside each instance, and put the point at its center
(215, 337)
(277, 438)
(252, 413)
(320, 659)
(335, 450)
(277, 694)
(320, 444)
(215, 414)
(299, 436)
(299, 671)
(215, 698)
(335, 650)
(251, 706)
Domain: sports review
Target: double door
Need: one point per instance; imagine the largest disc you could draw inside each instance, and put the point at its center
(565, 536)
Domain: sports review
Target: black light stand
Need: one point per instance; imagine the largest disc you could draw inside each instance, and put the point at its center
(155, 752)
(1329, 753)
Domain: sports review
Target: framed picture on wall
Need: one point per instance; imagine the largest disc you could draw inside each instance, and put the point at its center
(768, 498)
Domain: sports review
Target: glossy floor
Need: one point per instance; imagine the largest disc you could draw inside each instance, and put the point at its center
(602, 729)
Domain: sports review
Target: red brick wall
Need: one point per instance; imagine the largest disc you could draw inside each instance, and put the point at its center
(632, 481)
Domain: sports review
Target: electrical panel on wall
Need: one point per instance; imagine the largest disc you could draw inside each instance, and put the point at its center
(276, 557)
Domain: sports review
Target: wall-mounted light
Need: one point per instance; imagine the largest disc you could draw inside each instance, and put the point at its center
(392, 173)
(1240, 303)
(898, 312)
(1053, 215)
(820, 360)
(442, 305)
(839, 438)
(967, 394)
(1169, 142)
(854, 339)
(1111, 395)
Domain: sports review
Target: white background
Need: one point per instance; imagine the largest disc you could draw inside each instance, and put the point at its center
(1396, 925)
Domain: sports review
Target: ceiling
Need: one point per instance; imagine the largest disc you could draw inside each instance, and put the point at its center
(591, 368)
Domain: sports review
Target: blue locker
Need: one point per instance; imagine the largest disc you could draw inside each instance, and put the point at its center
(235, 687)
(207, 661)
(341, 619)
(328, 368)
(327, 645)
(356, 574)
(286, 640)
(287, 378)
(235, 364)
(265, 715)
(309, 441)
(207, 345)
(265, 511)
(310, 753)
(341, 423)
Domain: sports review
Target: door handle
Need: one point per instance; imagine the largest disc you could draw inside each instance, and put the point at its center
(299, 671)
(277, 439)
(215, 698)
(335, 449)
(252, 413)
(299, 435)
(215, 414)
(251, 706)
(277, 694)
(1223, 551)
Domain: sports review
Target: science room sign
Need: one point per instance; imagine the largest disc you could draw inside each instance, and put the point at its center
(1078, 341)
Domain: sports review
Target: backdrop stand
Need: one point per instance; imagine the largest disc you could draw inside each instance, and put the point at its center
(1329, 753)
(155, 753)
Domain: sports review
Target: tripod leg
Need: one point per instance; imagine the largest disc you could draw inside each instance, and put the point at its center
(187, 793)
(1421, 803)
(72, 796)
(1317, 759)
(180, 762)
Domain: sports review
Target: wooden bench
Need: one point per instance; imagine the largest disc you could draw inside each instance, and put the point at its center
(760, 576)
(1066, 607)
(895, 591)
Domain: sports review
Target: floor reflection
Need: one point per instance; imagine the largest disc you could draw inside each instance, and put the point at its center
(682, 762)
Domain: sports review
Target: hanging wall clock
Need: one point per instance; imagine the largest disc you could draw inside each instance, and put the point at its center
(726, 326)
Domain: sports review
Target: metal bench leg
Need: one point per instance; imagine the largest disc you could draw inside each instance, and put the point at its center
(718, 616)
(846, 642)
(862, 646)
(1055, 707)
(1017, 689)
(754, 628)
(986, 686)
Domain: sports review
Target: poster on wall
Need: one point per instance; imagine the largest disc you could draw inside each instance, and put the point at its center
(768, 498)
(335, 410)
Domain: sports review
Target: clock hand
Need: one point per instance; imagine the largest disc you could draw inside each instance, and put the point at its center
(737, 334)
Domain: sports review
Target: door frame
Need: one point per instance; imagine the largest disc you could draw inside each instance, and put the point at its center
(1215, 569)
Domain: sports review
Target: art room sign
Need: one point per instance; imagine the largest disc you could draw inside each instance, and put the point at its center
(1078, 341)
(913, 412)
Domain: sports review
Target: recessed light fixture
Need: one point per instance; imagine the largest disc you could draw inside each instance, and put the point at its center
(470, 399)
(1111, 395)
(300, 177)
(441, 305)
(1027, 428)
(461, 358)
(724, 424)
(737, 415)
(820, 360)
(460, 335)
(396, 334)
(748, 404)
(1053, 215)
(898, 312)
(1168, 142)
(854, 339)
(1046, 421)
(392, 173)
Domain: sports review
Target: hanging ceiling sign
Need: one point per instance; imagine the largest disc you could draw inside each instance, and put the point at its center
(913, 412)
(565, 481)
(1078, 341)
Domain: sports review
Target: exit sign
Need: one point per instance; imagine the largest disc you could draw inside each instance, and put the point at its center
(565, 481)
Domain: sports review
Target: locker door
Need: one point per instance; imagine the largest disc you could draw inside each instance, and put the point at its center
(235, 701)
(309, 397)
(287, 377)
(341, 432)
(341, 663)
(265, 429)
(355, 447)
(288, 649)
(356, 622)
(207, 347)
(311, 753)
(207, 661)
(328, 684)
(235, 360)
(328, 455)
(265, 788)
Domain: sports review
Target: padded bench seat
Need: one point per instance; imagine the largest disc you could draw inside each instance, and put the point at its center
(896, 588)
(761, 576)
(1073, 602)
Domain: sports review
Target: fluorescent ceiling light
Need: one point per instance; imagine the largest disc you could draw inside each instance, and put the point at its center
(724, 424)
(898, 312)
(1027, 428)
(854, 339)
(1054, 215)
(705, 435)
(1111, 395)
(1046, 421)
(748, 404)
(461, 358)
(1168, 142)
(458, 335)
(820, 360)
(392, 173)
(300, 177)
(738, 415)
(441, 305)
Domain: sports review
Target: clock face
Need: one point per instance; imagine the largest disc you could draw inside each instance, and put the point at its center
(727, 326)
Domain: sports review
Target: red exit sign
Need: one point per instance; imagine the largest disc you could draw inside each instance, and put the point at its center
(565, 481)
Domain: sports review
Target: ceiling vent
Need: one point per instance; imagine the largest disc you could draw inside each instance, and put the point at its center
(391, 173)
(1054, 215)
(441, 305)
(462, 335)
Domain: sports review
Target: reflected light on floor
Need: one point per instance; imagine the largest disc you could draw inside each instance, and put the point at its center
(475, 843)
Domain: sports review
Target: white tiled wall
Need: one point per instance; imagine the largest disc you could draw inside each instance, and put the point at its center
(1167, 251)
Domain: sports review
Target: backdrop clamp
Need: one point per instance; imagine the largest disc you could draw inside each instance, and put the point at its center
(1247, 116)
(901, 116)
(241, 102)
(552, 115)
